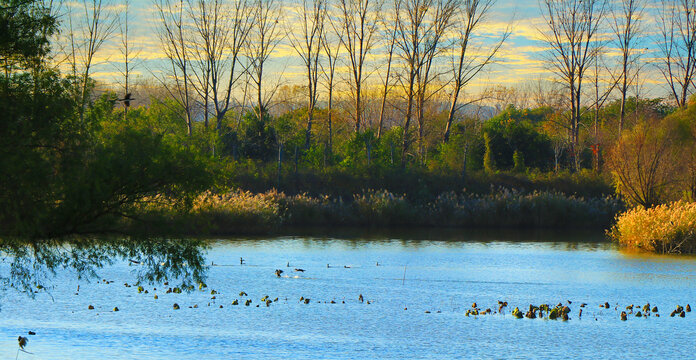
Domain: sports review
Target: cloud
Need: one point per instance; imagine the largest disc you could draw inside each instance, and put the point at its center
(520, 59)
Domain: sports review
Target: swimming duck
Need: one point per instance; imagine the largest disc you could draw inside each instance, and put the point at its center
(22, 342)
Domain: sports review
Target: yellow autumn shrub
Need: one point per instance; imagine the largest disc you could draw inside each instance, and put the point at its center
(666, 229)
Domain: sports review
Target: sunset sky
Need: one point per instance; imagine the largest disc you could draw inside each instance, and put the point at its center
(520, 61)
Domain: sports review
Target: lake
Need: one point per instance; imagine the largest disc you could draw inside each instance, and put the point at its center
(419, 285)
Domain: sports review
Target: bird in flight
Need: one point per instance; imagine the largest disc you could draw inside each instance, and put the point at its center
(126, 100)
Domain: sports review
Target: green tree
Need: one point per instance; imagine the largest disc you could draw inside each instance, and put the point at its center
(519, 130)
(518, 161)
(488, 157)
(62, 175)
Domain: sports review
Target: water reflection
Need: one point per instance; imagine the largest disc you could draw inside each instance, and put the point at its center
(30, 265)
(450, 234)
(443, 238)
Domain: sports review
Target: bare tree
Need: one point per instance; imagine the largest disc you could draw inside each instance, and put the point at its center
(203, 43)
(241, 21)
(467, 66)
(444, 11)
(572, 26)
(604, 83)
(331, 44)
(220, 32)
(390, 36)
(677, 45)
(421, 26)
(310, 17)
(360, 21)
(128, 53)
(625, 23)
(175, 45)
(95, 28)
(264, 37)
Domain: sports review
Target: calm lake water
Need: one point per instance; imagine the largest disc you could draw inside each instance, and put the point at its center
(443, 273)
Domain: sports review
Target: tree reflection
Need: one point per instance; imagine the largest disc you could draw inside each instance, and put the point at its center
(30, 265)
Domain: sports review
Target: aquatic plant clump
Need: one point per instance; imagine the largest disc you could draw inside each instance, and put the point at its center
(664, 229)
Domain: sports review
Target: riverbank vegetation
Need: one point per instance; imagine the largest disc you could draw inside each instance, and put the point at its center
(199, 149)
(243, 212)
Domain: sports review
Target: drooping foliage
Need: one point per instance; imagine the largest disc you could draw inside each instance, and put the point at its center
(63, 175)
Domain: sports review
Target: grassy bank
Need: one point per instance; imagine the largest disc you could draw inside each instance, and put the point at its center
(244, 212)
(665, 229)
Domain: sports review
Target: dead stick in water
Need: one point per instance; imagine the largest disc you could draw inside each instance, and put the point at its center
(24, 351)
(404, 278)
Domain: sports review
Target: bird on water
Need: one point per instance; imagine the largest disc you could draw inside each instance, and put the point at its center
(22, 342)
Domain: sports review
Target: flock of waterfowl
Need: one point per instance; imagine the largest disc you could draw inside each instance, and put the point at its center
(561, 311)
(243, 296)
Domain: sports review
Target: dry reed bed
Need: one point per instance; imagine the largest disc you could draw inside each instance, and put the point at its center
(665, 229)
(242, 212)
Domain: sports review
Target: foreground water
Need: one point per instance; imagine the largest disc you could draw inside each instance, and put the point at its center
(418, 296)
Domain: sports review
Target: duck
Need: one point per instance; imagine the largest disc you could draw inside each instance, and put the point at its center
(22, 342)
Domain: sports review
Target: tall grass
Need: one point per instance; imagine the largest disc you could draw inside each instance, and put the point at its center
(243, 212)
(666, 229)
(418, 184)
(509, 208)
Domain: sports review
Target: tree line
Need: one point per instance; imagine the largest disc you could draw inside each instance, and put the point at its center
(413, 56)
(386, 90)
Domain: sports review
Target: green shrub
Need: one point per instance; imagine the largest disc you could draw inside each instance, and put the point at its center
(488, 159)
(518, 161)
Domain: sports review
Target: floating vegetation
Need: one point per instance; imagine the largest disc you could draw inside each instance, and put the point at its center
(559, 312)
